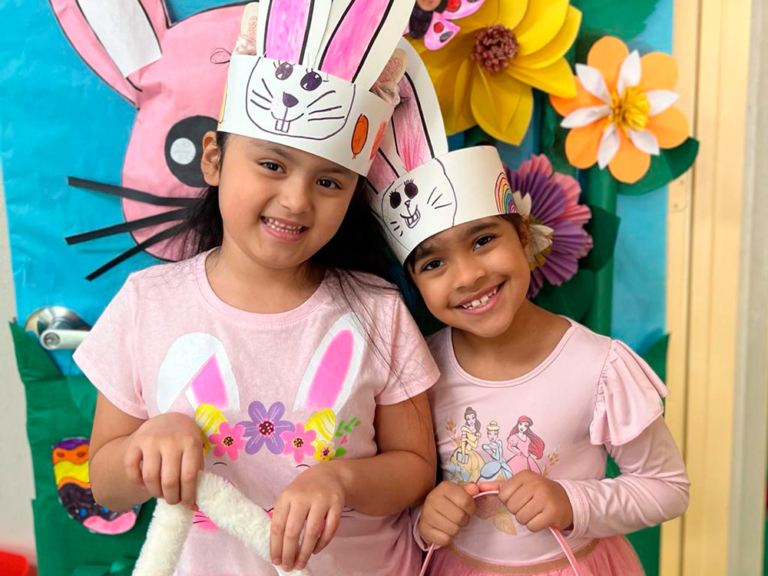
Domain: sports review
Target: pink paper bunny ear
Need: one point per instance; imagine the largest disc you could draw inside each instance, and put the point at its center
(360, 37)
(291, 30)
(331, 374)
(417, 123)
(116, 39)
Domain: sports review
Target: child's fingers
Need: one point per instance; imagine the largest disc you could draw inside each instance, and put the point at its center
(445, 524)
(191, 464)
(293, 528)
(150, 472)
(132, 461)
(487, 486)
(541, 521)
(332, 521)
(277, 531)
(455, 513)
(170, 474)
(520, 498)
(313, 530)
(473, 489)
(528, 511)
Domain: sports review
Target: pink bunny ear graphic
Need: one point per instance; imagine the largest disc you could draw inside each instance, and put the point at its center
(291, 30)
(115, 39)
(331, 373)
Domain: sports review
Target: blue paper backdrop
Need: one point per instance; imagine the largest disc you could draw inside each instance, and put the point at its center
(58, 119)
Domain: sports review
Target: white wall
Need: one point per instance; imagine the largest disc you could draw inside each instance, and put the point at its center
(16, 484)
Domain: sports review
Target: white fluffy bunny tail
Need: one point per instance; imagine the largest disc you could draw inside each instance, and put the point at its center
(165, 539)
(225, 506)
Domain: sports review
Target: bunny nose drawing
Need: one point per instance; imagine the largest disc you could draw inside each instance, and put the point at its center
(289, 100)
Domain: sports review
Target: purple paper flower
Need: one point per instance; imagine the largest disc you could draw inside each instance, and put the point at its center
(265, 426)
(550, 202)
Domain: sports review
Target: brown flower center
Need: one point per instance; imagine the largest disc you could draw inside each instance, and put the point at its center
(494, 47)
(228, 441)
(298, 442)
(266, 428)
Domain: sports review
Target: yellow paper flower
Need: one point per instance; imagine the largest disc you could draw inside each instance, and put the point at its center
(484, 76)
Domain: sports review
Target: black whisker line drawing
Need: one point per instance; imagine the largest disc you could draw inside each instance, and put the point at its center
(430, 194)
(149, 242)
(267, 88)
(321, 97)
(261, 96)
(326, 118)
(393, 222)
(436, 200)
(130, 226)
(442, 206)
(131, 194)
(259, 105)
(325, 110)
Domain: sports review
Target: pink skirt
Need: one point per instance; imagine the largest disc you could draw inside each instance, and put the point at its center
(605, 557)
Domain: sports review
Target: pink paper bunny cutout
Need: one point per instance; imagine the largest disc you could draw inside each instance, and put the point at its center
(174, 74)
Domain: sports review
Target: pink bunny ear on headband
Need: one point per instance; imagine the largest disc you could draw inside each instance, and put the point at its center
(331, 374)
(416, 134)
(222, 503)
(361, 36)
(291, 30)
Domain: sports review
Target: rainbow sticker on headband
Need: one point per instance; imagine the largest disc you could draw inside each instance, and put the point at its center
(504, 199)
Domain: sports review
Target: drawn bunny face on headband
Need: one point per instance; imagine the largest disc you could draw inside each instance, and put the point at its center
(422, 201)
(293, 100)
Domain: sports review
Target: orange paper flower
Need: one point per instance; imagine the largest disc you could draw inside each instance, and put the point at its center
(622, 114)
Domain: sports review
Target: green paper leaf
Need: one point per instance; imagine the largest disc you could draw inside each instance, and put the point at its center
(625, 20)
(668, 166)
(553, 140)
(475, 136)
(656, 356)
(572, 299)
(604, 229)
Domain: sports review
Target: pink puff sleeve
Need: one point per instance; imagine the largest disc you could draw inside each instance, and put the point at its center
(107, 356)
(628, 398)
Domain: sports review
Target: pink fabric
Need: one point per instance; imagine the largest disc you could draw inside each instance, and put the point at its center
(166, 324)
(546, 422)
(612, 557)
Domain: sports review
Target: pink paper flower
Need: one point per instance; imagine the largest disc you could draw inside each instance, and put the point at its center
(227, 441)
(550, 202)
(299, 442)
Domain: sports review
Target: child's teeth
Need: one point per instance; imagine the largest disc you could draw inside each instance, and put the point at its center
(484, 299)
(475, 303)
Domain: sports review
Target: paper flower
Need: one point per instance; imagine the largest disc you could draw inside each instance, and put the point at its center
(485, 75)
(299, 442)
(550, 202)
(227, 441)
(265, 427)
(622, 114)
(434, 20)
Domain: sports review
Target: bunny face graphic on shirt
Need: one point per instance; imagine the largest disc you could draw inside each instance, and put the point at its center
(293, 100)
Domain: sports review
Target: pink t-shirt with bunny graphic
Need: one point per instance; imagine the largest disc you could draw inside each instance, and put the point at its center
(273, 394)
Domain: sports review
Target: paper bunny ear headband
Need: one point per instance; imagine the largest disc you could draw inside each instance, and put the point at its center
(421, 189)
(302, 72)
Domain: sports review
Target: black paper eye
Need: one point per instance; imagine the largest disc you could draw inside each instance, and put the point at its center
(284, 71)
(411, 190)
(395, 199)
(311, 81)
